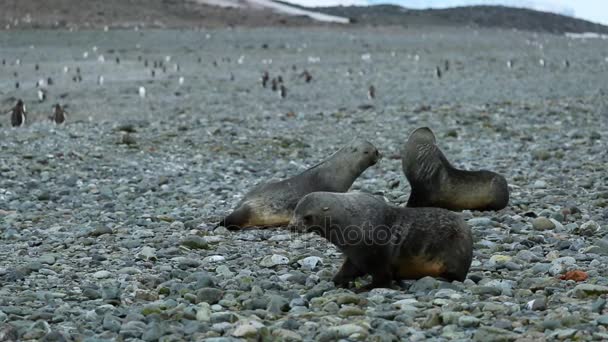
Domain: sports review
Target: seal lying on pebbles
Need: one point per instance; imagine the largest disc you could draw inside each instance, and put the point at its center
(272, 204)
(436, 183)
(387, 242)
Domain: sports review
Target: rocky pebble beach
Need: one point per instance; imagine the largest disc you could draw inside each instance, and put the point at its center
(107, 222)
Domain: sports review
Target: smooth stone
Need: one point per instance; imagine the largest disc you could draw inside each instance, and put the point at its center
(346, 330)
(102, 274)
(542, 223)
(146, 253)
(195, 242)
(286, 335)
(480, 222)
(310, 263)
(498, 259)
(588, 290)
(349, 311)
(489, 334)
(424, 285)
(209, 295)
(468, 321)
(277, 304)
(274, 260)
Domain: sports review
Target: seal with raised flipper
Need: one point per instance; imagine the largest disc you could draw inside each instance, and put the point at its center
(271, 204)
(436, 183)
(384, 241)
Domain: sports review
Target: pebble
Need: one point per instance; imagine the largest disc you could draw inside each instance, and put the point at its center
(589, 290)
(542, 223)
(274, 260)
(102, 274)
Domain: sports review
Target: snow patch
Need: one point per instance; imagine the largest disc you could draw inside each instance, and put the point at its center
(276, 7)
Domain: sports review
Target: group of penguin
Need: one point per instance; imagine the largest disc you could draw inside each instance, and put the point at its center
(19, 114)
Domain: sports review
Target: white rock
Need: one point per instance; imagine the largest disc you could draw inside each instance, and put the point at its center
(347, 330)
(310, 262)
(224, 271)
(214, 258)
(102, 274)
(146, 253)
(280, 237)
(203, 313)
(274, 260)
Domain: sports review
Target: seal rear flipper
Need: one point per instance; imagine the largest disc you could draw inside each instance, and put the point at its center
(237, 219)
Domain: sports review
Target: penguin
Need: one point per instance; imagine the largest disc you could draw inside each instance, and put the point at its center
(59, 114)
(142, 92)
(41, 95)
(265, 78)
(100, 80)
(18, 116)
(446, 65)
(510, 64)
(283, 91)
(275, 84)
(49, 81)
(371, 92)
(438, 72)
(307, 76)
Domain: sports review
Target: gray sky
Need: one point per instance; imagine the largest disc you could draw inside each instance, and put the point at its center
(592, 10)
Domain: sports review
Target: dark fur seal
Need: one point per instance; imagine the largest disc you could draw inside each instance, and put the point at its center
(387, 242)
(272, 204)
(436, 183)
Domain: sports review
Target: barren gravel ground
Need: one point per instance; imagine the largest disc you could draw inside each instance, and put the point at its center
(106, 235)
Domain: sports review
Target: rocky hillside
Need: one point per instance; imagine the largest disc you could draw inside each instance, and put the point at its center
(186, 13)
(472, 16)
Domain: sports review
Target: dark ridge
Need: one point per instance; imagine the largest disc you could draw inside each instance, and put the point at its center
(470, 16)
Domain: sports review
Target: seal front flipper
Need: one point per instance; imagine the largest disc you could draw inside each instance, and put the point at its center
(237, 219)
(347, 273)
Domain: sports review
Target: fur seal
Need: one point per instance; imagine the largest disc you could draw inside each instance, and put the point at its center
(385, 241)
(18, 114)
(271, 204)
(436, 183)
